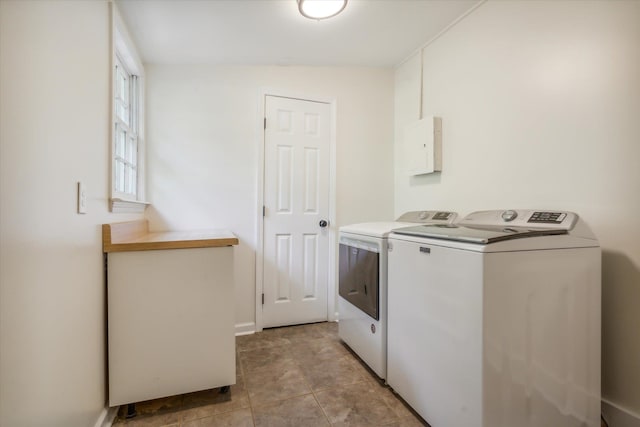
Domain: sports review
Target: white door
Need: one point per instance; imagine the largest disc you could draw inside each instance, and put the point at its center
(296, 199)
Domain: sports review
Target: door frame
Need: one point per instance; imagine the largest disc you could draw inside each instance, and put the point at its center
(332, 232)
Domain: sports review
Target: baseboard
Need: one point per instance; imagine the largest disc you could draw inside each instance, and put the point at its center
(617, 416)
(245, 328)
(107, 417)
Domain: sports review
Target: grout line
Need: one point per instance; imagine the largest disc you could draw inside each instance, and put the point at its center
(253, 414)
(313, 393)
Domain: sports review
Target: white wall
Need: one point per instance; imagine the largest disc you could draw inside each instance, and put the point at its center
(203, 135)
(54, 114)
(540, 104)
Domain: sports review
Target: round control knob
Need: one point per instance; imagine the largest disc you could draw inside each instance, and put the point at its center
(509, 216)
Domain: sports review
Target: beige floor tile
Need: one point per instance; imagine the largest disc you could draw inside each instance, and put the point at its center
(204, 404)
(398, 407)
(331, 373)
(259, 340)
(320, 348)
(328, 329)
(158, 420)
(355, 405)
(410, 421)
(296, 412)
(260, 358)
(239, 418)
(364, 370)
(277, 381)
(297, 333)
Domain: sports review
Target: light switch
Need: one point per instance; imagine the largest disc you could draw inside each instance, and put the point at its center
(82, 198)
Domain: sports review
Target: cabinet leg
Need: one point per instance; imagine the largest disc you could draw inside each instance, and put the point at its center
(131, 410)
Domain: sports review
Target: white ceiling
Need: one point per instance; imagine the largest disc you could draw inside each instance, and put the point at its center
(272, 32)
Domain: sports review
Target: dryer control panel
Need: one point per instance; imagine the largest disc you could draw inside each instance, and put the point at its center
(428, 217)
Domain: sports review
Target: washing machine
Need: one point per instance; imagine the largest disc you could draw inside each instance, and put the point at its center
(362, 284)
(495, 321)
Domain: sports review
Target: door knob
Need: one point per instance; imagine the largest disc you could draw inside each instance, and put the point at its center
(323, 223)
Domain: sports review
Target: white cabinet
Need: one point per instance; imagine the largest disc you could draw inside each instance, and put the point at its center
(170, 322)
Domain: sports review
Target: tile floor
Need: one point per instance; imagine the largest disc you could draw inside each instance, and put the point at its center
(298, 376)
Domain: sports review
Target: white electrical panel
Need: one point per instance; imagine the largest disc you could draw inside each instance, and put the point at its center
(423, 146)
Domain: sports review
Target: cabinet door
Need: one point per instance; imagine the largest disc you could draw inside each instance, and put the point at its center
(434, 336)
(171, 322)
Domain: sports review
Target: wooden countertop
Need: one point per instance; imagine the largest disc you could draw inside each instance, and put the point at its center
(135, 236)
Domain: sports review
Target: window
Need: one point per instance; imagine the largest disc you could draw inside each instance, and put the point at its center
(127, 162)
(125, 156)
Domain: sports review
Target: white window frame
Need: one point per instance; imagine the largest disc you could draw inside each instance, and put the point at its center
(125, 162)
(125, 157)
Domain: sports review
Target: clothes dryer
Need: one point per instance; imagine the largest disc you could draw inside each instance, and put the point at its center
(362, 301)
(495, 321)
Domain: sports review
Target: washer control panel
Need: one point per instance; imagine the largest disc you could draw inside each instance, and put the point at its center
(529, 219)
(509, 216)
(547, 217)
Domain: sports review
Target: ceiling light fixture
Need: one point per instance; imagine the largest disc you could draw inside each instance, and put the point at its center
(321, 9)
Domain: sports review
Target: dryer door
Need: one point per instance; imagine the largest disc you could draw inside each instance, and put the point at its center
(359, 278)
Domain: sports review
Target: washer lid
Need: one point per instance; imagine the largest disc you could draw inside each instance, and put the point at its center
(479, 235)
